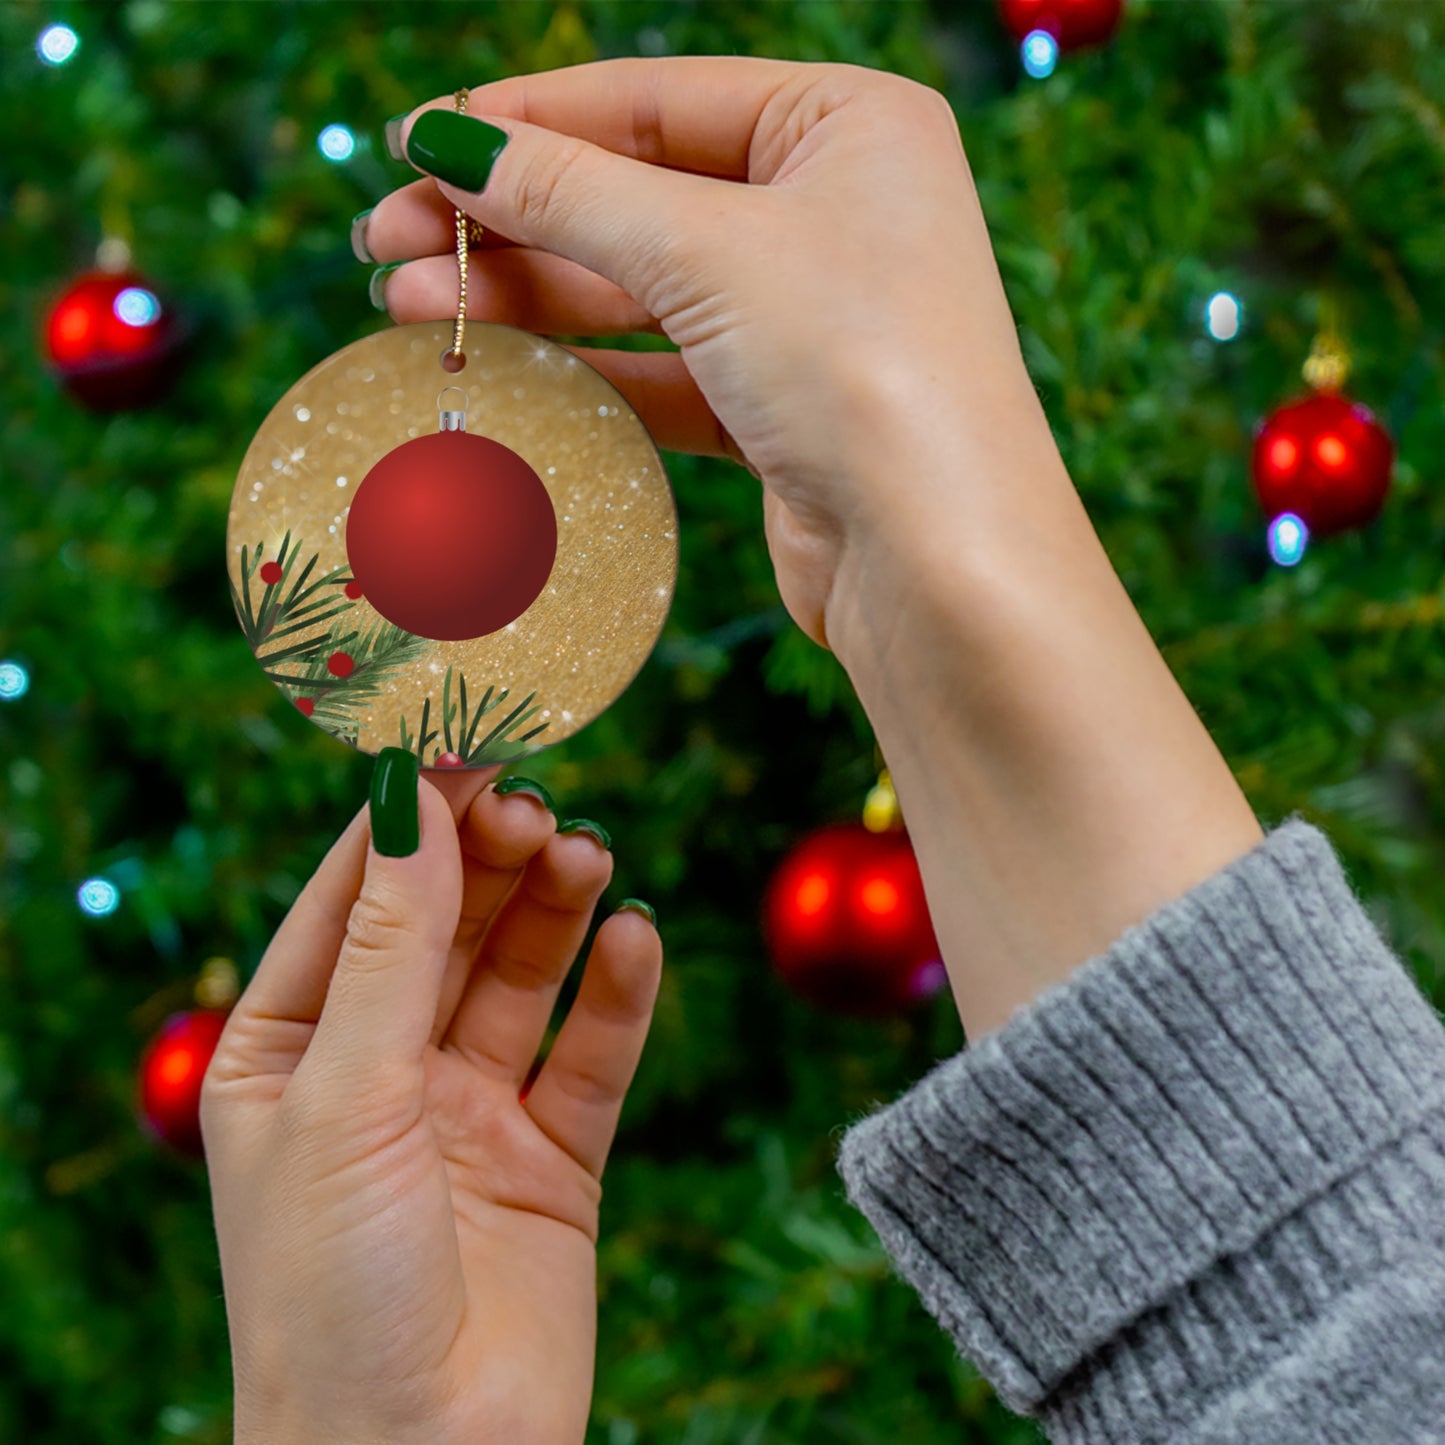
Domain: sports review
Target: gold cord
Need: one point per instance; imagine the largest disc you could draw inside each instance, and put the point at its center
(465, 233)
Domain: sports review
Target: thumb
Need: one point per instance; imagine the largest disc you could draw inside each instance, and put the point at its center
(382, 1000)
(628, 221)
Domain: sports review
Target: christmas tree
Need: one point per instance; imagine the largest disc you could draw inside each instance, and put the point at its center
(1284, 160)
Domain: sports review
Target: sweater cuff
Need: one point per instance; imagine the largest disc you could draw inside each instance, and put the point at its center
(1234, 1057)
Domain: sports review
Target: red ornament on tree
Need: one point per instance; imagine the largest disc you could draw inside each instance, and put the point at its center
(111, 341)
(171, 1071)
(451, 536)
(1073, 23)
(1324, 458)
(847, 923)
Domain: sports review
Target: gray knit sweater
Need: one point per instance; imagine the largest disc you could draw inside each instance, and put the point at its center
(1196, 1192)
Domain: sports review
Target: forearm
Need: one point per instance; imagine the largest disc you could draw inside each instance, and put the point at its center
(1056, 782)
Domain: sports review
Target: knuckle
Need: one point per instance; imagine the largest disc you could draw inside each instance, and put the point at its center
(542, 187)
(374, 933)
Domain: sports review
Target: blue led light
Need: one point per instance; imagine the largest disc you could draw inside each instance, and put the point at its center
(137, 307)
(14, 681)
(1288, 537)
(336, 143)
(98, 897)
(1223, 316)
(1040, 53)
(57, 44)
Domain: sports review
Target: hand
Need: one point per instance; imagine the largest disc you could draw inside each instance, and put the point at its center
(851, 282)
(408, 1247)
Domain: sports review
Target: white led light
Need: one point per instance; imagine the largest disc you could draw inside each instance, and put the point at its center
(336, 143)
(137, 307)
(1288, 537)
(57, 44)
(1223, 316)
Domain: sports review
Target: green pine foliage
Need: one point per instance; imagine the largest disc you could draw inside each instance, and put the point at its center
(1291, 154)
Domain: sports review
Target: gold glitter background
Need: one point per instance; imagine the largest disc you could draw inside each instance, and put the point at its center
(583, 640)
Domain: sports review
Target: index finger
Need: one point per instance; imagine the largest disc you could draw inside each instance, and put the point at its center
(695, 113)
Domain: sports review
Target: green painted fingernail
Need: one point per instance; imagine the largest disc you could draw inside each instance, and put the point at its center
(359, 248)
(458, 149)
(376, 289)
(393, 136)
(395, 820)
(636, 905)
(586, 825)
(532, 788)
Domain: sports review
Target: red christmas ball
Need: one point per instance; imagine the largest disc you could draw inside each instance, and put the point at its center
(451, 536)
(847, 923)
(171, 1071)
(1073, 23)
(271, 572)
(341, 664)
(112, 341)
(1324, 458)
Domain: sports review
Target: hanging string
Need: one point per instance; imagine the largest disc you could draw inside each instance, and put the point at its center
(469, 233)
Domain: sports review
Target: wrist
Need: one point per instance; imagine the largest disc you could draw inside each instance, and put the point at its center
(1056, 782)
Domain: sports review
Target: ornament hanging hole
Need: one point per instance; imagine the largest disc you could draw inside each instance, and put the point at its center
(453, 361)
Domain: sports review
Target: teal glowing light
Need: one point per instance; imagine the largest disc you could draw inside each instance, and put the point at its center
(1040, 53)
(1288, 537)
(57, 44)
(14, 681)
(137, 307)
(1223, 316)
(336, 143)
(98, 897)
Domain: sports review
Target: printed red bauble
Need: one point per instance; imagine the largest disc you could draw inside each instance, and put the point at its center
(847, 924)
(1324, 458)
(451, 536)
(112, 341)
(171, 1071)
(1073, 23)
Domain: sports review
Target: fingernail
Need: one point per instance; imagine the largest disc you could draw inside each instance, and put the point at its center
(393, 136)
(395, 820)
(636, 905)
(376, 288)
(359, 248)
(458, 149)
(526, 785)
(586, 825)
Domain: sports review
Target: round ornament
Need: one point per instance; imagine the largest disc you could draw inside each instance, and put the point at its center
(847, 923)
(111, 341)
(1073, 23)
(172, 1070)
(471, 562)
(1324, 458)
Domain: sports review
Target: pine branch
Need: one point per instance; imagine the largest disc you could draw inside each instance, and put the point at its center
(279, 612)
(499, 745)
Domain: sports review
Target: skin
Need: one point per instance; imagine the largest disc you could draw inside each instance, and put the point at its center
(407, 1250)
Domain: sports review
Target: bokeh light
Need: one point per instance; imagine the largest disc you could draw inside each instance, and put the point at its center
(1288, 537)
(1040, 53)
(98, 897)
(137, 307)
(1223, 316)
(336, 143)
(14, 681)
(57, 44)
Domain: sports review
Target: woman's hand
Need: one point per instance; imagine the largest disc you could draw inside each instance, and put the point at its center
(408, 1247)
(847, 293)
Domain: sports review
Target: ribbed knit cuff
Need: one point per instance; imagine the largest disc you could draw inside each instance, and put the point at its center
(1144, 1177)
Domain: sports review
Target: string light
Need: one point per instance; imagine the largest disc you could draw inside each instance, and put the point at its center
(1223, 316)
(1040, 52)
(1288, 537)
(336, 143)
(57, 44)
(14, 681)
(137, 307)
(98, 897)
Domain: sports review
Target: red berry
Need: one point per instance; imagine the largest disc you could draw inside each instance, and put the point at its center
(353, 590)
(340, 664)
(306, 706)
(448, 760)
(270, 572)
